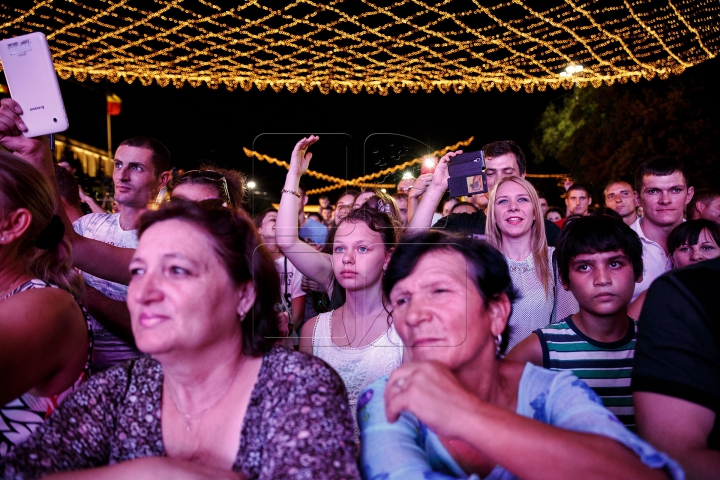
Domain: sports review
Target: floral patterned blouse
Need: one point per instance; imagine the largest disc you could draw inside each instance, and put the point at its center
(297, 423)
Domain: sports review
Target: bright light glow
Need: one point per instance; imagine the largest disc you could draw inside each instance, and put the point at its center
(429, 162)
(251, 185)
(369, 46)
(570, 69)
(383, 190)
(407, 175)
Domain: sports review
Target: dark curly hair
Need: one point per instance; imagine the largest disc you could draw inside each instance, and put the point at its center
(236, 243)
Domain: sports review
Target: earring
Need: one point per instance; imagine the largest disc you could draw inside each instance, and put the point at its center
(498, 341)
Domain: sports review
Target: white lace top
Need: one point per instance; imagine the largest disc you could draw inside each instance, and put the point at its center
(358, 367)
(533, 309)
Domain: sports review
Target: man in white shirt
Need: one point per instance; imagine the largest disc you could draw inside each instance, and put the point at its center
(142, 167)
(661, 188)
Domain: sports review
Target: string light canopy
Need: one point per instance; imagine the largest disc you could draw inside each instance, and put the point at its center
(372, 46)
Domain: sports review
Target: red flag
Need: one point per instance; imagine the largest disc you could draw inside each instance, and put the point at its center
(113, 104)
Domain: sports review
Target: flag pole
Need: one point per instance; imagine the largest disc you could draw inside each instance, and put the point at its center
(109, 137)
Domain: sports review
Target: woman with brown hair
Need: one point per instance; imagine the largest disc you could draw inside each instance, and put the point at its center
(214, 397)
(44, 342)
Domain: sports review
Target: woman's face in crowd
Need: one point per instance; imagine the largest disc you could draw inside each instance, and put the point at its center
(554, 216)
(359, 256)
(343, 207)
(180, 296)
(704, 249)
(194, 191)
(440, 314)
(514, 212)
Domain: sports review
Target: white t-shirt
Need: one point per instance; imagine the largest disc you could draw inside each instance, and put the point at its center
(106, 228)
(290, 280)
(109, 350)
(655, 260)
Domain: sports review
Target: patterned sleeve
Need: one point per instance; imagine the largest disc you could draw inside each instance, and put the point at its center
(391, 451)
(76, 435)
(306, 422)
(569, 403)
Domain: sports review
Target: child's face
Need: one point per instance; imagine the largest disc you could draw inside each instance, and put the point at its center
(603, 282)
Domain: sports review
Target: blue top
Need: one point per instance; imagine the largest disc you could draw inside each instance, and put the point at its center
(314, 230)
(407, 449)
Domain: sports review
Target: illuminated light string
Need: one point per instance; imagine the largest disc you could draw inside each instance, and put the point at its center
(361, 182)
(362, 45)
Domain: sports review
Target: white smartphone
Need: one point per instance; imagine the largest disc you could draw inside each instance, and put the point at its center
(33, 83)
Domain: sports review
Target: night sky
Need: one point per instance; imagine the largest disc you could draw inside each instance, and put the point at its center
(360, 133)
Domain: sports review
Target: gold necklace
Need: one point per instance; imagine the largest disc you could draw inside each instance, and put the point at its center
(342, 320)
(189, 416)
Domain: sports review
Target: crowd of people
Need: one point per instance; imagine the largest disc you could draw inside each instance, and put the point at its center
(395, 336)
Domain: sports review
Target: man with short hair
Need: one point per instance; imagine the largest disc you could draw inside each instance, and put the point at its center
(578, 200)
(706, 205)
(142, 168)
(661, 188)
(620, 196)
(543, 205)
(502, 159)
(309, 229)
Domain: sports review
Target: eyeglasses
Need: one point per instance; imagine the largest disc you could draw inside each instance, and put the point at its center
(205, 176)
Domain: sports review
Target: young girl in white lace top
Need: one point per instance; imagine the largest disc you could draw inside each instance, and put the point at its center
(515, 227)
(358, 339)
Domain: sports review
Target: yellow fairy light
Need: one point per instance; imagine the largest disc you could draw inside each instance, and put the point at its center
(360, 182)
(379, 47)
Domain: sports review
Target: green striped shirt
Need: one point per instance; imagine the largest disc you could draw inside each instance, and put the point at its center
(605, 367)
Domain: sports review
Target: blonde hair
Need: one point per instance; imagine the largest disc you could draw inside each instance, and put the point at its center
(538, 240)
(22, 186)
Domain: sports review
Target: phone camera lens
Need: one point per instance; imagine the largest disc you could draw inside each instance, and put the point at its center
(55, 120)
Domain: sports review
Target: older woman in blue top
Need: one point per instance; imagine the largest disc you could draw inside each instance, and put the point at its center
(457, 410)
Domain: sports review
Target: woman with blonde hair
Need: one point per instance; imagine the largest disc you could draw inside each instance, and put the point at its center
(515, 227)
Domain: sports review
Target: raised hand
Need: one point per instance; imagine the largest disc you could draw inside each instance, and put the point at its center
(441, 175)
(300, 158)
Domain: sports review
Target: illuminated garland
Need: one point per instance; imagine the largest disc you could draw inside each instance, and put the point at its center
(378, 47)
(360, 182)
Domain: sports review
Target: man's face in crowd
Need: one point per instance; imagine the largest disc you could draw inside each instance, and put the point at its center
(578, 202)
(621, 198)
(134, 176)
(543, 206)
(711, 211)
(663, 198)
(500, 167)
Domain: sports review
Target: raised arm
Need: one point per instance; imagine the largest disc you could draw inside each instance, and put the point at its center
(422, 216)
(97, 258)
(312, 264)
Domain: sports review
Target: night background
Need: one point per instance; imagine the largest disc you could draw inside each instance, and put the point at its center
(363, 133)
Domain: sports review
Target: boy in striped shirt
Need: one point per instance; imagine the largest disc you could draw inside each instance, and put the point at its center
(600, 260)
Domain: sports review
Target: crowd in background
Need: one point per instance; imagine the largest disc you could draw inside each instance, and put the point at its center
(403, 335)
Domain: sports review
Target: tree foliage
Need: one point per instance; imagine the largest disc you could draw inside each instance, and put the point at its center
(605, 133)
